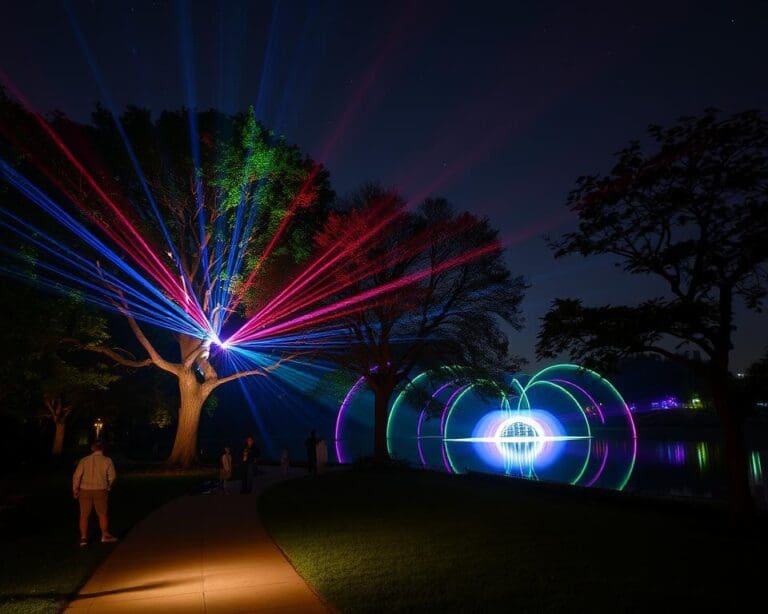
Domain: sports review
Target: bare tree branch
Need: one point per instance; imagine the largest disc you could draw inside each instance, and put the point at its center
(262, 371)
(126, 362)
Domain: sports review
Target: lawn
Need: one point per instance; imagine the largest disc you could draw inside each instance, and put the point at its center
(41, 563)
(417, 541)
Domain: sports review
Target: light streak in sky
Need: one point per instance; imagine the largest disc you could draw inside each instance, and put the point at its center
(132, 277)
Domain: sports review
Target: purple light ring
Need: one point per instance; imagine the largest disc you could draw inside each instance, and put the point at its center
(586, 394)
(443, 418)
(421, 421)
(602, 466)
(418, 437)
(342, 410)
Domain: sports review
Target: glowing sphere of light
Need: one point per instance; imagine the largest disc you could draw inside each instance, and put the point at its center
(518, 439)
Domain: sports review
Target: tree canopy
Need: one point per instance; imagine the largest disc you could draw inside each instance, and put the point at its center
(211, 210)
(247, 181)
(454, 312)
(42, 375)
(689, 207)
(694, 213)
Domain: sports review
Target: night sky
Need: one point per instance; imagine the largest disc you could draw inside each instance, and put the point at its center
(498, 106)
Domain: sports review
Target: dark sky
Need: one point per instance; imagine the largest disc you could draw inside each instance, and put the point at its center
(498, 106)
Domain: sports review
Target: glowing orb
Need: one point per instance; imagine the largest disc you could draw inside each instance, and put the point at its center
(519, 439)
(519, 428)
(214, 339)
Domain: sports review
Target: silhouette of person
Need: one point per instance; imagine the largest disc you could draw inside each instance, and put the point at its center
(322, 455)
(311, 445)
(225, 469)
(285, 463)
(247, 465)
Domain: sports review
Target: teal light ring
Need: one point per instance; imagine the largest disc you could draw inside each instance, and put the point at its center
(523, 395)
(611, 387)
(447, 420)
(450, 405)
(583, 391)
(624, 483)
(399, 399)
(569, 395)
(617, 394)
(580, 475)
(421, 421)
(396, 406)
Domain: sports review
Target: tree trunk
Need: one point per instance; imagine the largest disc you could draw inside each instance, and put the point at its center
(382, 395)
(192, 397)
(732, 421)
(58, 438)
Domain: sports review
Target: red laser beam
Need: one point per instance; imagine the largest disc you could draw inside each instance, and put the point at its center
(144, 256)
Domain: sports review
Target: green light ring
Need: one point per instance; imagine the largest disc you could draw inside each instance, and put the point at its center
(631, 465)
(569, 395)
(617, 394)
(523, 395)
(396, 406)
(447, 420)
(399, 399)
(505, 406)
(580, 475)
(604, 381)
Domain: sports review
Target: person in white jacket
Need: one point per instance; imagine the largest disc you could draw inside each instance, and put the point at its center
(91, 482)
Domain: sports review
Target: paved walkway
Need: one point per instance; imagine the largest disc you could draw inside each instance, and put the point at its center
(207, 554)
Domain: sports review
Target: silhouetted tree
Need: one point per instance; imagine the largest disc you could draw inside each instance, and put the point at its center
(692, 210)
(453, 315)
(41, 374)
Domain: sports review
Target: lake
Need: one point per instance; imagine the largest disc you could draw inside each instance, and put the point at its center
(655, 467)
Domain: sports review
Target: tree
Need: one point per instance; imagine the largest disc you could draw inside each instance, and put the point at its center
(64, 386)
(692, 211)
(184, 190)
(460, 292)
(42, 370)
(242, 165)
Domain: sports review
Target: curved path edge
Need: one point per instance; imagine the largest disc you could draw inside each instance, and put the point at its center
(207, 554)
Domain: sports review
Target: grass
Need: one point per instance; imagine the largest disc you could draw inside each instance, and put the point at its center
(422, 542)
(41, 563)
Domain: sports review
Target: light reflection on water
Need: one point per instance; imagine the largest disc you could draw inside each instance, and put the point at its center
(647, 466)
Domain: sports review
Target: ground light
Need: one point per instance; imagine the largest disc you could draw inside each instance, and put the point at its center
(98, 425)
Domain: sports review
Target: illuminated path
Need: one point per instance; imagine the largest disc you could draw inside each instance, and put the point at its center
(207, 554)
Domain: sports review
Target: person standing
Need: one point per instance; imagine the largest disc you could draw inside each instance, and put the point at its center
(311, 445)
(225, 469)
(322, 455)
(285, 463)
(248, 461)
(91, 483)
